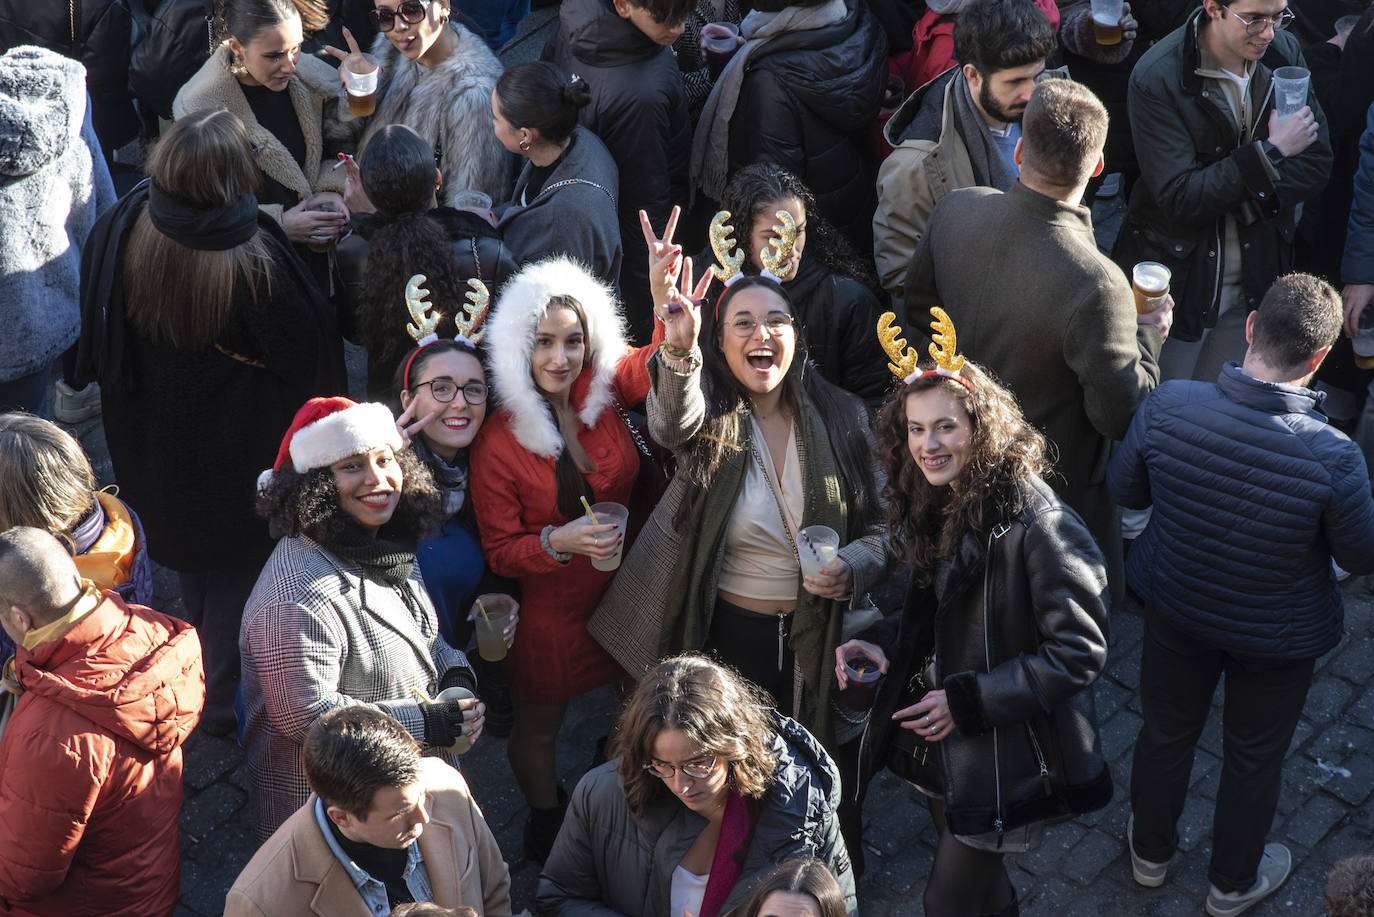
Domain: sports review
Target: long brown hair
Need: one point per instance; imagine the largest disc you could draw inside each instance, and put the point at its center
(719, 712)
(927, 522)
(178, 295)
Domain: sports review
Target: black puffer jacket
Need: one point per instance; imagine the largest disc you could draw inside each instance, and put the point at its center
(95, 32)
(1018, 623)
(639, 110)
(1195, 171)
(607, 861)
(808, 101)
(839, 317)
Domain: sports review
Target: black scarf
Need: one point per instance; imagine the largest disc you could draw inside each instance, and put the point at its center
(383, 560)
(206, 229)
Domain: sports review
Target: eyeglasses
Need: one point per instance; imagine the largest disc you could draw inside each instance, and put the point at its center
(699, 771)
(744, 326)
(445, 390)
(1257, 25)
(409, 12)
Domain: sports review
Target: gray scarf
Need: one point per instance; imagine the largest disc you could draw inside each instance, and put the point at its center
(990, 167)
(711, 144)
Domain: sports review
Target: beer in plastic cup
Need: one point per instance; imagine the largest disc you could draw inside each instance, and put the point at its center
(464, 743)
(1149, 282)
(362, 90)
(817, 546)
(1107, 22)
(605, 514)
(491, 640)
(1290, 90)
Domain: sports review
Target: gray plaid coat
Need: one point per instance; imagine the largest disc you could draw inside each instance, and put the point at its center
(316, 635)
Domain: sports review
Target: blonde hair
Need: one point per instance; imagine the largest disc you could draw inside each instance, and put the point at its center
(46, 481)
(177, 295)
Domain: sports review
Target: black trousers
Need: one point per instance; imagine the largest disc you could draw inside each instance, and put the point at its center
(1263, 700)
(750, 642)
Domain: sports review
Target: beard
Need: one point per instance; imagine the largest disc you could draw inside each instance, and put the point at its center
(993, 108)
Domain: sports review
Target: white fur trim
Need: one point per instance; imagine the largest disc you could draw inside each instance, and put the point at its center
(361, 428)
(510, 343)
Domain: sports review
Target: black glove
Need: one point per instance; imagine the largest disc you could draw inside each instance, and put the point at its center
(443, 723)
(459, 676)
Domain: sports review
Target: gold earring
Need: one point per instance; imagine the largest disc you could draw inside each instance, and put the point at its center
(236, 65)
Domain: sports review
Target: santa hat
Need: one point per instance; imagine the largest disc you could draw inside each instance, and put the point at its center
(325, 430)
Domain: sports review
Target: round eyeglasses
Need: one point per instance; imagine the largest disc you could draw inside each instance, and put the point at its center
(1257, 25)
(744, 326)
(698, 770)
(445, 390)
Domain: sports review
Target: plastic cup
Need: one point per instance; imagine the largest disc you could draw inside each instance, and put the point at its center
(491, 641)
(318, 244)
(1290, 90)
(863, 676)
(718, 38)
(362, 90)
(1107, 22)
(1150, 283)
(606, 513)
(463, 743)
(817, 546)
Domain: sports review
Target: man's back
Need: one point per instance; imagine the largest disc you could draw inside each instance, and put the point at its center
(1253, 495)
(90, 765)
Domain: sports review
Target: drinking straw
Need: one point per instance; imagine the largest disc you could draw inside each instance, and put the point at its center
(588, 507)
(422, 695)
(483, 611)
(809, 546)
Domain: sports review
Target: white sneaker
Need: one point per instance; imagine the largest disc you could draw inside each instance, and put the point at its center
(1274, 867)
(71, 406)
(1146, 873)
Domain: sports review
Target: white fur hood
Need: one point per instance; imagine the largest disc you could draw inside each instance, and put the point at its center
(509, 343)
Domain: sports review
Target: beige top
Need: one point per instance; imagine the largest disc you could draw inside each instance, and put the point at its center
(759, 561)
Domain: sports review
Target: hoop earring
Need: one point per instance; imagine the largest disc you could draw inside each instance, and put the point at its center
(524, 146)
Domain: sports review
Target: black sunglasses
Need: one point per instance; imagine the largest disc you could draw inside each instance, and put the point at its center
(409, 12)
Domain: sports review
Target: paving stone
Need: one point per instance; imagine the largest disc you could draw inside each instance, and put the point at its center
(1301, 735)
(1090, 855)
(204, 883)
(1362, 711)
(1109, 697)
(1355, 788)
(1354, 663)
(1119, 733)
(1310, 824)
(203, 812)
(1059, 840)
(208, 758)
(1338, 741)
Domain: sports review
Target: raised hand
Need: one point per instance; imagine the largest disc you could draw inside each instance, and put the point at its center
(352, 59)
(681, 310)
(408, 426)
(663, 255)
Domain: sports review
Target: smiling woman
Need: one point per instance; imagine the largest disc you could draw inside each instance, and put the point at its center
(339, 614)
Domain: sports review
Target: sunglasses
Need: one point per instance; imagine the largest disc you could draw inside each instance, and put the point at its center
(410, 12)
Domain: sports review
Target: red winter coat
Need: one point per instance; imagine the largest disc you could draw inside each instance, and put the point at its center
(90, 766)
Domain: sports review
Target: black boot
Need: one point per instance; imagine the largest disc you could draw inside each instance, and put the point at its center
(494, 689)
(541, 828)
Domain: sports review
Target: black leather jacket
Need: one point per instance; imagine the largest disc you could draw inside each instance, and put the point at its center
(1018, 624)
(1196, 168)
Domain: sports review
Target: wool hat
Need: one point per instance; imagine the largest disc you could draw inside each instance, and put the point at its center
(325, 430)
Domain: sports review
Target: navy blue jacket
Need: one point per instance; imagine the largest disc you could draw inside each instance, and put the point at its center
(1253, 495)
(1358, 265)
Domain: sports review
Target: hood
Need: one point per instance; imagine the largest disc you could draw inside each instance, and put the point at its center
(510, 342)
(42, 105)
(838, 71)
(921, 116)
(132, 671)
(598, 37)
(806, 774)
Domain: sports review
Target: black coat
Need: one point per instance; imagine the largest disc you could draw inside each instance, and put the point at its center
(808, 102)
(839, 317)
(190, 430)
(639, 110)
(95, 32)
(1018, 625)
(1195, 172)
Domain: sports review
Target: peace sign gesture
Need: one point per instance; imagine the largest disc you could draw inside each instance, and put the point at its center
(664, 256)
(353, 59)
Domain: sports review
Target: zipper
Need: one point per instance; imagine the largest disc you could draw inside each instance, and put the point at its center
(71, 19)
(1040, 758)
(996, 533)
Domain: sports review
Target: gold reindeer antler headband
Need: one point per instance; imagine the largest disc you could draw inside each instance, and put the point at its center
(905, 360)
(778, 262)
(469, 318)
(426, 319)
(722, 244)
(477, 304)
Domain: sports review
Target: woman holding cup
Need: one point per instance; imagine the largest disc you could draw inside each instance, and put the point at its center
(556, 445)
(984, 706)
(768, 454)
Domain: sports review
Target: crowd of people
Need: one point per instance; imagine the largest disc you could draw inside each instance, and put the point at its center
(639, 409)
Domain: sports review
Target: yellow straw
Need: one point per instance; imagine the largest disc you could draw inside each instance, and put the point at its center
(861, 671)
(423, 696)
(483, 611)
(587, 506)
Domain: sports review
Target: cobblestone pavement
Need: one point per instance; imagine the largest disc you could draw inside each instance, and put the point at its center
(1081, 869)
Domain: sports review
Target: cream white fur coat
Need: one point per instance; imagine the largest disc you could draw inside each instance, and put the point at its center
(450, 107)
(509, 342)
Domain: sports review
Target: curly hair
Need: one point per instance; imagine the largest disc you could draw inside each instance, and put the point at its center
(308, 504)
(754, 189)
(720, 712)
(1350, 887)
(1004, 452)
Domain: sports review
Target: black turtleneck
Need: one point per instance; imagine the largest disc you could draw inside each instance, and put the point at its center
(386, 865)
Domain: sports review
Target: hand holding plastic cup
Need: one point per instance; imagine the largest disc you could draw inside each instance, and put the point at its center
(1150, 283)
(605, 514)
(491, 621)
(817, 547)
(1290, 90)
(476, 202)
(863, 675)
(360, 79)
(450, 694)
(1107, 22)
(719, 41)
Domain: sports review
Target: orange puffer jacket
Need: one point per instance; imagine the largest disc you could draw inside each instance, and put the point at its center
(90, 766)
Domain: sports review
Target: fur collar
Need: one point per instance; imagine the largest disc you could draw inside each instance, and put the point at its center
(510, 345)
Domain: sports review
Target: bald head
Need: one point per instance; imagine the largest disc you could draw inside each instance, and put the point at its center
(37, 575)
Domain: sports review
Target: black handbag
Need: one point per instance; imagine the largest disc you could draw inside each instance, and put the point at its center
(650, 481)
